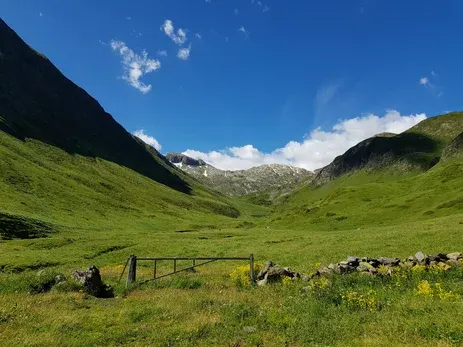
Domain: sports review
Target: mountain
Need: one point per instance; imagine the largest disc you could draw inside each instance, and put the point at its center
(37, 101)
(265, 178)
(66, 164)
(415, 150)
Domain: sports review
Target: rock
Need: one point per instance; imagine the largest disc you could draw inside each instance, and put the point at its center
(352, 260)
(264, 270)
(262, 282)
(443, 256)
(324, 271)
(306, 278)
(421, 257)
(347, 268)
(335, 267)
(454, 256)
(374, 262)
(364, 266)
(389, 261)
(91, 280)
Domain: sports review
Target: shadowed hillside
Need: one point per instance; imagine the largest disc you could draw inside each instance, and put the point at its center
(37, 101)
(415, 150)
(454, 148)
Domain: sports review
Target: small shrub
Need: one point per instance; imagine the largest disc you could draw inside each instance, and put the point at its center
(43, 281)
(356, 300)
(429, 290)
(241, 275)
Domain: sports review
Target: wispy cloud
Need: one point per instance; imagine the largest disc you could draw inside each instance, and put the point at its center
(261, 5)
(198, 36)
(40, 14)
(184, 53)
(179, 38)
(236, 12)
(430, 83)
(128, 18)
(135, 65)
(162, 53)
(318, 149)
(142, 135)
(325, 97)
(243, 30)
(424, 81)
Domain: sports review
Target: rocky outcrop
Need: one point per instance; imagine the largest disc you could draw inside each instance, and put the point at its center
(273, 179)
(178, 158)
(92, 283)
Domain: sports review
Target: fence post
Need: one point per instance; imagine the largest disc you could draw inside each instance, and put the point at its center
(132, 274)
(251, 269)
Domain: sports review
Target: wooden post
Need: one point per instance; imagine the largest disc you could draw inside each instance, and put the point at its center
(155, 268)
(175, 265)
(132, 274)
(251, 269)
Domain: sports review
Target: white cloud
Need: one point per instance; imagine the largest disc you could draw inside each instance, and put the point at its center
(162, 53)
(318, 149)
(184, 53)
(147, 139)
(179, 38)
(243, 30)
(198, 36)
(40, 14)
(424, 81)
(433, 73)
(135, 66)
(128, 18)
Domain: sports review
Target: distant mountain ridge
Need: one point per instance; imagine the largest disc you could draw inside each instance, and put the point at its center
(271, 177)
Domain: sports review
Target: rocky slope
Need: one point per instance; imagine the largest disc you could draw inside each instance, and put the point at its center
(417, 149)
(454, 148)
(37, 101)
(264, 178)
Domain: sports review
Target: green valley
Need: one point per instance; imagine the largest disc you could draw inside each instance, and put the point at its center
(76, 189)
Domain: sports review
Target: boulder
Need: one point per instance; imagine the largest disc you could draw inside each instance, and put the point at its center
(324, 271)
(335, 267)
(421, 257)
(264, 270)
(92, 283)
(353, 261)
(454, 256)
(366, 267)
(389, 261)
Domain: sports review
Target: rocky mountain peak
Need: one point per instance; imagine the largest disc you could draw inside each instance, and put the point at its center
(179, 158)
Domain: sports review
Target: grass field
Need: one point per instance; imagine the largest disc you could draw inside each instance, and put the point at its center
(95, 212)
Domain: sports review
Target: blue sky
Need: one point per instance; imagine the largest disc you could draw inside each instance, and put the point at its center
(245, 82)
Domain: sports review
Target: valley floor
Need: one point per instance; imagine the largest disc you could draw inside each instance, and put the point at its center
(207, 308)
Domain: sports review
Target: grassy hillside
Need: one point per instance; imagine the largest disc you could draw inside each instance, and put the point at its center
(368, 199)
(37, 101)
(414, 151)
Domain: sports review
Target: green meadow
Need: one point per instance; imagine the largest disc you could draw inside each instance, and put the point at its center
(62, 212)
